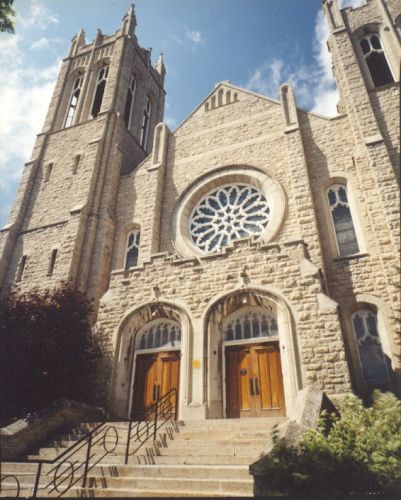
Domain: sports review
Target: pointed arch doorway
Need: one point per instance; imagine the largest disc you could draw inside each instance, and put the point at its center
(156, 368)
(253, 367)
(253, 374)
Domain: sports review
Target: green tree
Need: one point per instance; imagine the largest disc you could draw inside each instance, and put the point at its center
(357, 452)
(6, 16)
(47, 349)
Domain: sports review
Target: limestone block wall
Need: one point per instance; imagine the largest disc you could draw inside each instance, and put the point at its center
(195, 284)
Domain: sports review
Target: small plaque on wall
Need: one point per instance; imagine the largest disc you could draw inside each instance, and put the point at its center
(196, 363)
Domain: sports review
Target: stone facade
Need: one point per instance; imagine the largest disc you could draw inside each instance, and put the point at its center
(104, 182)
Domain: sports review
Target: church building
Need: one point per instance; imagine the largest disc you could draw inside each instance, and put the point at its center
(243, 257)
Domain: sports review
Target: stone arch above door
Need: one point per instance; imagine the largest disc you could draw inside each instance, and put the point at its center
(233, 307)
(135, 323)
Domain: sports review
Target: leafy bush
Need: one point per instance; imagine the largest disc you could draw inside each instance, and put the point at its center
(356, 452)
(47, 349)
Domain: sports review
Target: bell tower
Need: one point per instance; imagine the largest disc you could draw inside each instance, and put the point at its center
(100, 124)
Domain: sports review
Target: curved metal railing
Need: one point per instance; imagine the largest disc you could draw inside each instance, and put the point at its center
(68, 469)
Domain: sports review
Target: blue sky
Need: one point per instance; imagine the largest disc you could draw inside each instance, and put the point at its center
(256, 44)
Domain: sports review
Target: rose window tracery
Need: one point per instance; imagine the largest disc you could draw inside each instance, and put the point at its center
(226, 214)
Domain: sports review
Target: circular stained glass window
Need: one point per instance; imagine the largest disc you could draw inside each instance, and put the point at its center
(226, 214)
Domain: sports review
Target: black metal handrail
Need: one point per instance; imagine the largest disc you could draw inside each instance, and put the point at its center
(163, 410)
(67, 470)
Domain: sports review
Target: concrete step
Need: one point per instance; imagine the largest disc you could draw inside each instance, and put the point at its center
(229, 487)
(196, 460)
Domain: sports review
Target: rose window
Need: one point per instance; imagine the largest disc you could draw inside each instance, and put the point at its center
(226, 214)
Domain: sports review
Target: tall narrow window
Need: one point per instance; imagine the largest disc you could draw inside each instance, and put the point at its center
(129, 103)
(132, 250)
(342, 220)
(72, 107)
(376, 59)
(49, 170)
(371, 356)
(99, 92)
(21, 267)
(145, 123)
(52, 263)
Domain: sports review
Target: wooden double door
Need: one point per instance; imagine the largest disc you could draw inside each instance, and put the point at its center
(254, 384)
(155, 375)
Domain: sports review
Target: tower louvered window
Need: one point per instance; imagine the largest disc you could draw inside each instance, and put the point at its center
(343, 224)
(72, 107)
(145, 123)
(129, 103)
(376, 59)
(99, 92)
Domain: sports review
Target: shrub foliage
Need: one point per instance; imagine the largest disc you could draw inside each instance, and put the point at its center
(357, 452)
(47, 349)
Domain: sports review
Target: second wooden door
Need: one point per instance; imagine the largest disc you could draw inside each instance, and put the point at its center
(254, 385)
(155, 375)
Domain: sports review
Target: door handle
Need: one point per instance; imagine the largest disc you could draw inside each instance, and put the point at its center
(257, 386)
(154, 395)
(158, 391)
(251, 387)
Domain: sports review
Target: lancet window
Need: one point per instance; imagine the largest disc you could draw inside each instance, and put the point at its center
(99, 92)
(72, 107)
(347, 242)
(373, 363)
(376, 59)
(145, 123)
(129, 103)
(132, 249)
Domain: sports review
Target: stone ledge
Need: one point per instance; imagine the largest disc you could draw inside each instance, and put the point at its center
(21, 436)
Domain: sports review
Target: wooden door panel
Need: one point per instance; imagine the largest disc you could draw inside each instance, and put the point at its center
(264, 385)
(254, 384)
(232, 384)
(243, 358)
(276, 382)
(155, 375)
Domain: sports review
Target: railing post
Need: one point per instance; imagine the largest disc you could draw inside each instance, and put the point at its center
(156, 415)
(87, 459)
(37, 479)
(128, 441)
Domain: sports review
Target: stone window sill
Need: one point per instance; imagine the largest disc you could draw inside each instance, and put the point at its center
(350, 257)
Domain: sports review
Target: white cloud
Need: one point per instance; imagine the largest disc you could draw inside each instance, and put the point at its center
(351, 3)
(25, 92)
(194, 36)
(39, 17)
(314, 84)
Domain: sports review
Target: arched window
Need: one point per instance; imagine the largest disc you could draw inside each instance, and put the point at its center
(376, 60)
(159, 334)
(371, 356)
(132, 250)
(347, 243)
(72, 107)
(250, 323)
(129, 103)
(99, 92)
(145, 123)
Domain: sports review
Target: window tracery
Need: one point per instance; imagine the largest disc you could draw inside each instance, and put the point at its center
(160, 333)
(371, 355)
(249, 324)
(132, 249)
(226, 214)
(376, 60)
(347, 242)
